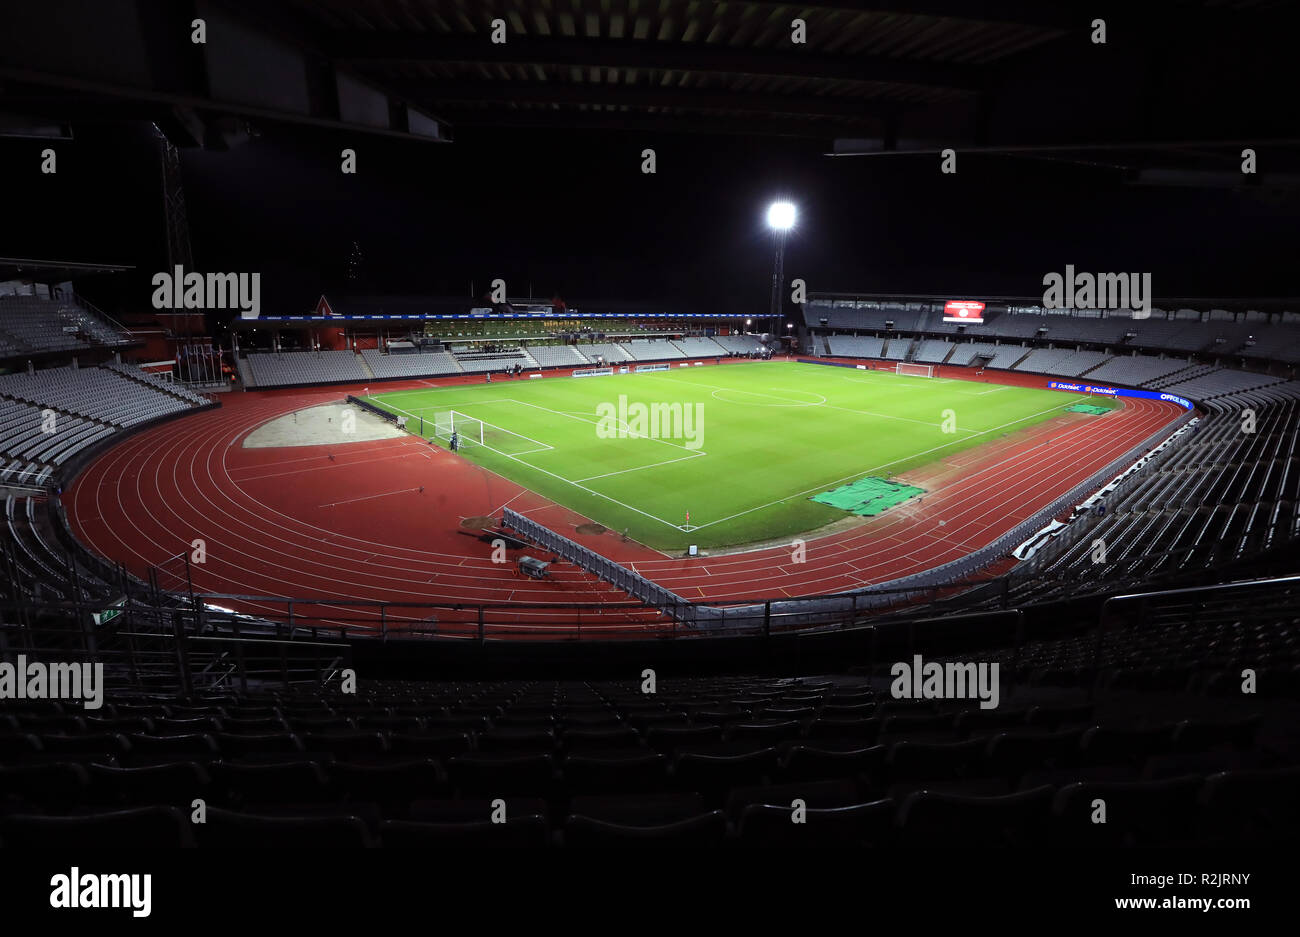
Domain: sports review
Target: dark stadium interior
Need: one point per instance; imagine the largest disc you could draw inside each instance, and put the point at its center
(597, 693)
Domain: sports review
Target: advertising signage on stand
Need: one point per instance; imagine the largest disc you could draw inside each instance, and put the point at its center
(1119, 392)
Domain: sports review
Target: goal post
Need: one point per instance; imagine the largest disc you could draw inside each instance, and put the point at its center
(914, 370)
(467, 428)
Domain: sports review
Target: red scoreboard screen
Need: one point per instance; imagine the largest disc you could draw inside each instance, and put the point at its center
(961, 310)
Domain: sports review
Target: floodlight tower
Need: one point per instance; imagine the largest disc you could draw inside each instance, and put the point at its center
(780, 218)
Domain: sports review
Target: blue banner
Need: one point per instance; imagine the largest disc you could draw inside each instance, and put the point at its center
(1108, 391)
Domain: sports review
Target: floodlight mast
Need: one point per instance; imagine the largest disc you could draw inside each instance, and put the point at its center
(780, 218)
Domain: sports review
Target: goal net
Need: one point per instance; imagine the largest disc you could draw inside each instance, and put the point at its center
(914, 370)
(466, 428)
(471, 431)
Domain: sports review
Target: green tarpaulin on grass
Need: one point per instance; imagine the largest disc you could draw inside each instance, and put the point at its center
(868, 496)
(1087, 408)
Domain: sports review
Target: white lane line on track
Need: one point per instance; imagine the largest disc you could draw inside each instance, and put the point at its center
(382, 494)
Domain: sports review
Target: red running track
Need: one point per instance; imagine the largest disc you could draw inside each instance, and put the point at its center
(292, 522)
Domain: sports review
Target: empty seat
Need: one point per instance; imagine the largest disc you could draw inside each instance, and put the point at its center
(434, 743)
(235, 744)
(112, 743)
(1009, 754)
(141, 827)
(390, 783)
(273, 783)
(1136, 813)
(919, 761)
(708, 829)
(614, 771)
(492, 773)
(51, 783)
(823, 759)
(930, 817)
(819, 794)
(768, 731)
(711, 774)
(1105, 745)
(521, 832)
(1259, 806)
(595, 739)
(870, 824)
(190, 743)
(644, 809)
(861, 729)
(177, 783)
(671, 738)
(344, 743)
(1197, 735)
(226, 829)
(517, 740)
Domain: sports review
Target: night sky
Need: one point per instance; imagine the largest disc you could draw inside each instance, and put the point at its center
(572, 212)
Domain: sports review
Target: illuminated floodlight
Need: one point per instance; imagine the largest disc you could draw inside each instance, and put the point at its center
(780, 216)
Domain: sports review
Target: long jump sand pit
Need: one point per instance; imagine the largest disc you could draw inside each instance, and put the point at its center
(324, 425)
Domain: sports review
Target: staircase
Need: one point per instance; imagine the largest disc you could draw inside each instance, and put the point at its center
(364, 365)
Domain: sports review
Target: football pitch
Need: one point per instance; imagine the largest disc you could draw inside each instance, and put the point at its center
(741, 449)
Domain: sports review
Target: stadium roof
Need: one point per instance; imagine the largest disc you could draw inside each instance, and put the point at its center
(1232, 303)
(52, 270)
(1176, 82)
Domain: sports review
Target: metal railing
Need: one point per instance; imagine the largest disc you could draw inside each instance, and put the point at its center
(171, 649)
(634, 584)
(1237, 597)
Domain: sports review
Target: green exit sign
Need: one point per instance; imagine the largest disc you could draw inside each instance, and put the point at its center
(108, 614)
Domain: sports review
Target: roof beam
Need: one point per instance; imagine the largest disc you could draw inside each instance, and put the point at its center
(385, 48)
(642, 96)
(1055, 15)
(753, 126)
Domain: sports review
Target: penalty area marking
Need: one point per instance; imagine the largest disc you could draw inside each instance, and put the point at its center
(788, 402)
(638, 468)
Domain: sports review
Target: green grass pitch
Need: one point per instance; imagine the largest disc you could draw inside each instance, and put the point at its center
(741, 448)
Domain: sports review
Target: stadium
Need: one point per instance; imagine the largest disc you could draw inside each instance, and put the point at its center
(634, 430)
